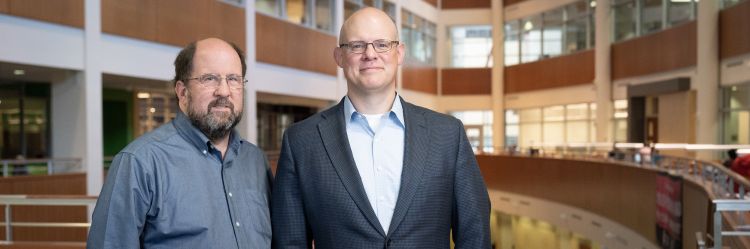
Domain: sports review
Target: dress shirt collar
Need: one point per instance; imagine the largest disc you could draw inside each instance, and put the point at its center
(397, 110)
(192, 134)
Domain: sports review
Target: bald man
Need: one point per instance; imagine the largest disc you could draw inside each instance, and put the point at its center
(375, 171)
(193, 182)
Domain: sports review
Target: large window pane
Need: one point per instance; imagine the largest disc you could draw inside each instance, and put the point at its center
(552, 33)
(470, 45)
(625, 19)
(512, 44)
(576, 27)
(417, 40)
(577, 131)
(296, 11)
(267, 6)
(390, 8)
(324, 15)
(349, 8)
(554, 113)
(680, 12)
(651, 15)
(554, 133)
(531, 39)
(531, 115)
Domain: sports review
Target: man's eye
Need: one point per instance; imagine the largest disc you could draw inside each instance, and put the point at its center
(357, 46)
(210, 78)
(381, 45)
(233, 78)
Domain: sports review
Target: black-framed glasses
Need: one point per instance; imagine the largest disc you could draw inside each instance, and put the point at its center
(213, 81)
(358, 47)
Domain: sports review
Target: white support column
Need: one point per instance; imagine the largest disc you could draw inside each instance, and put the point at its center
(706, 81)
(498, 82)
(338, 21)
(94, 143)
(248, 127)
(602, 74)
(400, 73)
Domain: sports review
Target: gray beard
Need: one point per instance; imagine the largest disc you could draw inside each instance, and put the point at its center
(213, 126)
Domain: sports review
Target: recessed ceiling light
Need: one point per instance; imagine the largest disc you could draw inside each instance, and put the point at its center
(593, 4)
(19, 72)
(143, 95)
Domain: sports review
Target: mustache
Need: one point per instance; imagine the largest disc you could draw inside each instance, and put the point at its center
(221, 102)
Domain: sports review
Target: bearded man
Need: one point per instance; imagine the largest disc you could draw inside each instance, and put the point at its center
(193, 182)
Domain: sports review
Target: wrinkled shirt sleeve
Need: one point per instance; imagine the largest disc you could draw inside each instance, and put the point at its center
(123, 205)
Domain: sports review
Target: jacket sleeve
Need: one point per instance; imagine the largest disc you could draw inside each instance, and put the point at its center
(123, 204)
(290, 228)
(471, 204)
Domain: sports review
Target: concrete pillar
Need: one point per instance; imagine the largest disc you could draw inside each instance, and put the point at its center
(92, 93)
(68, 116)
(706, 81)
(248, 127)
(338, 21)
(498, 64)
(399, 73)
(602, 74)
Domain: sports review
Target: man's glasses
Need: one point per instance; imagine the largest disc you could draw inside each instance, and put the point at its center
(213, 81)
(358, 47)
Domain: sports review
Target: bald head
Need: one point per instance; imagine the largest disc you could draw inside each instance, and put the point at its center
(366, 19)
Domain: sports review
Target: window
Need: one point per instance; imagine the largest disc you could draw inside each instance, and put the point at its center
(267, 6)
(471, 46)
(418, 35)
(559, 31)
(552, 33)
(550, 126)
(620, 121)
(316, 14)
(736, 114)
(531, 39)
(478, 125)
(633, 18)
(651, 16)
(512, 43)
(625, 19)
(729, 3)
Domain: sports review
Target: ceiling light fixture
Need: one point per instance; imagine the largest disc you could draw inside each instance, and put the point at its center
(19, 72)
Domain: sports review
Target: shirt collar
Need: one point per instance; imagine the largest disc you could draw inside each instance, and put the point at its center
(397, 110)
(192, 134)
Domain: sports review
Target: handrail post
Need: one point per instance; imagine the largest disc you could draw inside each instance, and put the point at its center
(717, 229)
(5, 168)
(49, 167)
(8, 225)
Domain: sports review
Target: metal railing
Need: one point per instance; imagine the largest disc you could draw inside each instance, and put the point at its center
(40, 200)
(40, 166)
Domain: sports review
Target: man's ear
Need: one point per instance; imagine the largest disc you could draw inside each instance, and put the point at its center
(180, 89)
(338, 56)
(400, 50)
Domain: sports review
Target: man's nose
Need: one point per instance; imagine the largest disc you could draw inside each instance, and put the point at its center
(370, 53)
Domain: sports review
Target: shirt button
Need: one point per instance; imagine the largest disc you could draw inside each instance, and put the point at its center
(230, 194)
(204, 152)
(237, 224)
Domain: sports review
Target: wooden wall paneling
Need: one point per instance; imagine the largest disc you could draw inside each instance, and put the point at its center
(419, 78)
(228, 22)
(4, 6)
(131, 18)
(66, 12)
(623, 194)
(457, 81)
(465, 4)
(62, 184)
(179, 22)
(667, 50)
(734, 30)
(286, 44)
(568, 70)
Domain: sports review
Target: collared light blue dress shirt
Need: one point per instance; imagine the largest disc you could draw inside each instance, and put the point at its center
(170, 188)
(379, 155)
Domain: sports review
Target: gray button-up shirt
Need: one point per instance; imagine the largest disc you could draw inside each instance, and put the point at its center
(171, 189)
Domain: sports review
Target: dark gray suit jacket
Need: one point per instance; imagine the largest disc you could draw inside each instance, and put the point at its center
(318, 194)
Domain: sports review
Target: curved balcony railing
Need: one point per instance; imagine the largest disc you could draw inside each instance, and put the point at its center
(729, 192)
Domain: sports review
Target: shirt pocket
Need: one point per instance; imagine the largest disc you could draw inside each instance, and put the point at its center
(258, 204)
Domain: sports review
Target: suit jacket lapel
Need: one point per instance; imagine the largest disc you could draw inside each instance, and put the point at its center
(415, 157)
(333, 132)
